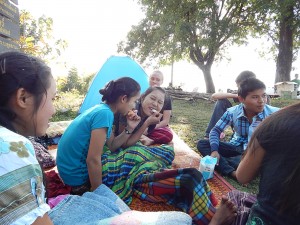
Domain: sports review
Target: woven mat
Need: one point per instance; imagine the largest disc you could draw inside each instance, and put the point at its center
(184, 157)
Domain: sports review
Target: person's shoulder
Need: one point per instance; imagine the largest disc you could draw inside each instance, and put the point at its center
(10, 135)
(236, 108)
(270, 109)
(102, 107)
(235, 112)
(14, 144)
(95, 113)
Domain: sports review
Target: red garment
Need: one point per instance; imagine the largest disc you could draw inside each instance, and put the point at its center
(161, 135)
(55, 185)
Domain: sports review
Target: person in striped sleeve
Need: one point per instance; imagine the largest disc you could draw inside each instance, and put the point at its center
(244, 118)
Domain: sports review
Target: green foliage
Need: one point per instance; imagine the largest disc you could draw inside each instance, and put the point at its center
(201, 31)
(36, 37)
(279, 21)
(86, 82)
(64, 116)
(67, 105)
(196, 30)
(74, 83)
(270, 14)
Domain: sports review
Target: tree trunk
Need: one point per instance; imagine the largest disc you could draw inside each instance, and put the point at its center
(285, 48)
(209, 83)
(197, 58)
(210, 87)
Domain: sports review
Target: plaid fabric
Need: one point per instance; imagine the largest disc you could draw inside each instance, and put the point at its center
(161, 135)
(138, 171)
(184, 188)
(242, 128)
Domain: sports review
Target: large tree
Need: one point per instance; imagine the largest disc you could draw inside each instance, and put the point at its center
(281, 25)
(189, 29)
(36, 37)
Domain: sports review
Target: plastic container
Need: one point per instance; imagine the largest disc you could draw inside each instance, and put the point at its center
(207, 166)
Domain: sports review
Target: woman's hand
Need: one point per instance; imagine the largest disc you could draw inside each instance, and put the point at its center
(154, 118)
(132, 120)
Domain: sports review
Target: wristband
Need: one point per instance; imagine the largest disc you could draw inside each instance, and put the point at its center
(127, 131)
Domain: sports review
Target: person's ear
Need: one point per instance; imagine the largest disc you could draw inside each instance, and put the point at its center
(22, 97)
(124, 98)
(241, 99)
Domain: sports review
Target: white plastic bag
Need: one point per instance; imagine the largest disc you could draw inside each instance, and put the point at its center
(207, 166)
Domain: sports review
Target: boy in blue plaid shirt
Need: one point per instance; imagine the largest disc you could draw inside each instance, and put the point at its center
(244, 118)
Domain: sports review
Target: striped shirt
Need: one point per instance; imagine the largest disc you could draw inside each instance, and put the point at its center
(243, 130)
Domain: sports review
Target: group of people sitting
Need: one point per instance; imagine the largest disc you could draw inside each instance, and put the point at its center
(121, 148)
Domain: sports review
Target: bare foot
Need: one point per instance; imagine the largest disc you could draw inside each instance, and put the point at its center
(146, 141)
(225, 214)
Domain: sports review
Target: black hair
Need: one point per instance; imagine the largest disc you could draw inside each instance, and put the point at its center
(279, 134)
(116, 88)
(20, 70)
(250, 85)
(149, 90)
(140, 110)
(244, 75)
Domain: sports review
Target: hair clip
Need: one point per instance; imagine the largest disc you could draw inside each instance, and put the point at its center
(2, 66)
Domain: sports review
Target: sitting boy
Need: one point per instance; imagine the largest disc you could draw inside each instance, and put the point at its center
(223, 102)
(244, 118)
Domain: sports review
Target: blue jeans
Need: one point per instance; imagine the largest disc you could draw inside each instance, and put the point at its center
(220, 108)
(104, 207)
(230, 155)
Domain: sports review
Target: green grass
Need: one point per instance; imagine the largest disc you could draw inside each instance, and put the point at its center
(189, 121)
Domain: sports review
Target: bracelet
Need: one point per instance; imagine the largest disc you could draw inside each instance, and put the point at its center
(127, 131)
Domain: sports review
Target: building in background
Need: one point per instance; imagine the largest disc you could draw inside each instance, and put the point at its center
(9, 25)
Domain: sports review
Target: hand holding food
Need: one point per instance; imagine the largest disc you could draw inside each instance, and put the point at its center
(132, 119)
(155, 112)
(131, 113)
(154, 118)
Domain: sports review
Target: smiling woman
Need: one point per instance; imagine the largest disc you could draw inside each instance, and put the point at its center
(26, 105)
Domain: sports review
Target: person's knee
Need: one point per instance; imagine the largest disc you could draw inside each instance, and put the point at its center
(203, 147)
(162, 135)
(224, 103)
